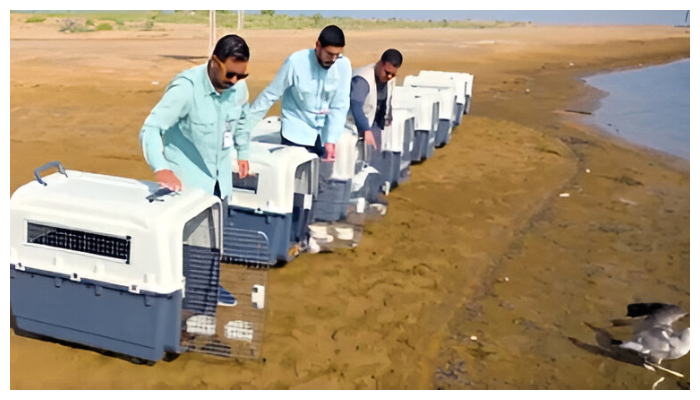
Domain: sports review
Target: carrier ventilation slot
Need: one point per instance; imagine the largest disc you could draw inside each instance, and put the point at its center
(247, 184)
(84, 242)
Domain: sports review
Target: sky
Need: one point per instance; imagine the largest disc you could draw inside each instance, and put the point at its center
(624, 17)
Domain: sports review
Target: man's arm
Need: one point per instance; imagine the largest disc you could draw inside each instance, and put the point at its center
(241, 136)
(359, 89)
(173, 106)
(269, 95)
(339, 106)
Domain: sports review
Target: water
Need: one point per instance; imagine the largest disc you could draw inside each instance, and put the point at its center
(648, 106)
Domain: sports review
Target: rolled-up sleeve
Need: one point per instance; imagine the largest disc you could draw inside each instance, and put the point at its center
(339, 106)
(174, 105)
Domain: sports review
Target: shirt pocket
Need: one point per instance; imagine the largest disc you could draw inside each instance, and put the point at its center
(202, 131)
(307, 93)
(330, 86)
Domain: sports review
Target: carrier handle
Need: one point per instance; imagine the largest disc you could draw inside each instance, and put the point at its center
(47, 166)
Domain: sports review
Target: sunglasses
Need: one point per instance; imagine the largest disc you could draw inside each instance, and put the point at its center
(228, 74)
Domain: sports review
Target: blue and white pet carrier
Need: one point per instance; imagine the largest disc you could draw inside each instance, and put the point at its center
(448, 100)
(463, 85)
(425, 107)
(269, 211)
(397, 144)
(112, 263)
(335, 180)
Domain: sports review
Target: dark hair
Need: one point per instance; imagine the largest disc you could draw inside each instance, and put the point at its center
(332, 36)
(393, 57)
(232, 46)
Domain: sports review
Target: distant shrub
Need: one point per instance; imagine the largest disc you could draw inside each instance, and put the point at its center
(105, 26)
(71, 25)
(35, 19)
(267, 12)
(149, 25)
(89, 22)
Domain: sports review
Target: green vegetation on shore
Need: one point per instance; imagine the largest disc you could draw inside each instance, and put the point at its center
(148, 20)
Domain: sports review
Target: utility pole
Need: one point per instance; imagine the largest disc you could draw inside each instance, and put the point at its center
(212, 30)
(241, 16)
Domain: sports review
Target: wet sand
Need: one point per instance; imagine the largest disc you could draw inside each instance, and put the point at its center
(400, 310)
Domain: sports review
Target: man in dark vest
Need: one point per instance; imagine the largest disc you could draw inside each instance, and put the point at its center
(370, 101)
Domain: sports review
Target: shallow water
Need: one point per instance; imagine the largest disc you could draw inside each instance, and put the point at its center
(648, 106)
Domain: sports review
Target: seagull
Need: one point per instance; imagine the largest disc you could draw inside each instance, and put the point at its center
(654, 337)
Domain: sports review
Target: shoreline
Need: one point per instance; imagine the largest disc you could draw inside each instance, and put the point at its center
(395, 310)
(453, 370)
(631, 140)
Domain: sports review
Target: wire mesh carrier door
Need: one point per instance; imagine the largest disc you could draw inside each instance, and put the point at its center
(223, 312)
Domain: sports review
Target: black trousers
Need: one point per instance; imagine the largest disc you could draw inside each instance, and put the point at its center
(317, 148)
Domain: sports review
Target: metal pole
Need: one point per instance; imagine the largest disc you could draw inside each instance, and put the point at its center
(241, 16)
(212, 30)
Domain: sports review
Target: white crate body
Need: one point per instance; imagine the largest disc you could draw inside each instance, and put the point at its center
(276, 166)
(446, 89)
(393, 136)
(268, 130)
(419, 101)
(108, 206)
(463, 81)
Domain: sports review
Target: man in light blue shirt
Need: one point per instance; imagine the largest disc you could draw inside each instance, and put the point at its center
(315, 88)
(188, 136)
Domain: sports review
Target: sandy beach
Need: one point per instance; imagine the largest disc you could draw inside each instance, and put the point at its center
(480, 273)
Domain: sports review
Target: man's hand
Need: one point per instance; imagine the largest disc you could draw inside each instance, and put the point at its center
(167, 179)
(369, 139)
(243, 168)
(330, 152)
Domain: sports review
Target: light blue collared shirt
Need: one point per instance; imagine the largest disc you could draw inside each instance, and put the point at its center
(185, 131)
(315, 100)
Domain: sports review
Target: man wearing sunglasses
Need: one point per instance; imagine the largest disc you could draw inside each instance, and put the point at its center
(315, 88)
(370, 100)
(188, 136)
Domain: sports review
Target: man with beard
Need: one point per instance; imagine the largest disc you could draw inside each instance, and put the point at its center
(370, 99)
(315, 88)
(188, 136)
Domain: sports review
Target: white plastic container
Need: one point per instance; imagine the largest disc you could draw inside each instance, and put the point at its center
(110, 262)
(448, 101)
(425, 106)
(462, 80)
(269, 211)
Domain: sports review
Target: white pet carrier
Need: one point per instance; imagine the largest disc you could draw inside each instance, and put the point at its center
(112, 263)
(397, 145)
(448, 101)
(425, 106)
(268, 211)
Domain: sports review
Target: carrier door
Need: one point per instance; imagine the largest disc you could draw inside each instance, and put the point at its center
(234, 330)
(201, 252)
(305, 188)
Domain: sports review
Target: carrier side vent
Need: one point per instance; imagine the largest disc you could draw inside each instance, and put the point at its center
(84, 242)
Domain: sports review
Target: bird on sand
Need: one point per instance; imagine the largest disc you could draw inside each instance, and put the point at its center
(654, 336)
